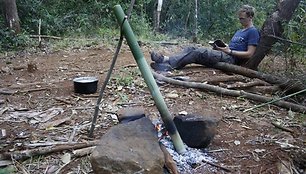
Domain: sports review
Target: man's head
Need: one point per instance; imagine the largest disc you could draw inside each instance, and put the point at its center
(246, 14)
(248, 10)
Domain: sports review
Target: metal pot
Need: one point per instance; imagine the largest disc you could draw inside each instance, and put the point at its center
(85, 85)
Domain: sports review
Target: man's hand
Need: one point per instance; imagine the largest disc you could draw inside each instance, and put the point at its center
(241, 54)
(226, 49)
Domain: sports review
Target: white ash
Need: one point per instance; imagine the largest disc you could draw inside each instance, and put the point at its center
(187, 162)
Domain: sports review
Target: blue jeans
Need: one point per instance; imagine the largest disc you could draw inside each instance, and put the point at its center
(202, 56)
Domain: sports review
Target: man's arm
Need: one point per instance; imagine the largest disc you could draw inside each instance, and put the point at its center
(241, 54)
(244, 54)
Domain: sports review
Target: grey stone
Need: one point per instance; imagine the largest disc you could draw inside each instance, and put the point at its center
(130, 114)
(196, 131)
(129, 148)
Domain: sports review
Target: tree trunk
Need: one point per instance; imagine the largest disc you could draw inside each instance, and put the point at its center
(272, 28)
(157, 12)
(11, 15)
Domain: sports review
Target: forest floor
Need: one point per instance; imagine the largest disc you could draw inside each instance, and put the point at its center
(38, 105)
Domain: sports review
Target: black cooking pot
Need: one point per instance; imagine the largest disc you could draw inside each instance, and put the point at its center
(85, 85)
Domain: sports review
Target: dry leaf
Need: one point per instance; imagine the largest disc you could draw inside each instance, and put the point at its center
(66, 158)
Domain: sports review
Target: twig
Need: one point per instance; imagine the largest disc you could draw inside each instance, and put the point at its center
(20, 166)
(78, 97)
(282, 128)
(83, 108)
(83, 152)
(45, 36)
(216, 165)
(33, 90)
(19, 155)
(54, 123)
(130, 66)
(63, 166)
(63, 100)
(51, 144)
(217, 150)
(6, 92)
(286, 40)
(73, 133)
(19, 67)
(3, 110)
(107, 78)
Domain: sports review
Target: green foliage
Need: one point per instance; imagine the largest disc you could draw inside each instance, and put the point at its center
(216, 19)
(10, 41)
(292, 48)
(62, 17)
(126, 76)
(7, 170)
(295, 31)
(95, 18)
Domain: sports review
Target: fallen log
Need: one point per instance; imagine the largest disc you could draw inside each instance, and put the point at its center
(289, 85)
(263, 89)
(21, 155)
(241, 85)
(230, 92)
(224, 78)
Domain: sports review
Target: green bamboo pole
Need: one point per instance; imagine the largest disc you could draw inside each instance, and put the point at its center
(275, 100)
(150, 81)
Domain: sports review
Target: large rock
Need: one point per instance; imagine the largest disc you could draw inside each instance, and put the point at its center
(130, 114)
(196, 131)
(129, 148)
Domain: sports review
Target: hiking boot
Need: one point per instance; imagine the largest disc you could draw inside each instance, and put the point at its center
(157, 57)
(163, 67)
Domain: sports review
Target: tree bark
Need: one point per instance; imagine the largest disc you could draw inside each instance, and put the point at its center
(273, 26)
(11, 15)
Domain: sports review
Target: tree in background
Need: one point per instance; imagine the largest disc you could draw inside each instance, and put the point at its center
(272, 30)
(11, 15)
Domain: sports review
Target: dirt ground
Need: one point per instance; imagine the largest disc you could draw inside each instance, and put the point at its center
(38, 105)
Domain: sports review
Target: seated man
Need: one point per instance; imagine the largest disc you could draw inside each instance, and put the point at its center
(241, 47)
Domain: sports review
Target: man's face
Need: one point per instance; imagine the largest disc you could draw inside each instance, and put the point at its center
(244, 19)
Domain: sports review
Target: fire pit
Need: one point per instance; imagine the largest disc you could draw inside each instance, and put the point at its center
(186, 162)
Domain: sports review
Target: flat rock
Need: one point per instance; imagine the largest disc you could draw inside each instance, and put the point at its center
(196, 131)
(129, 148)
(130, 114)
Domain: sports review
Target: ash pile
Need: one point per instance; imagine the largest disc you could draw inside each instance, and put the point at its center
(197, 132)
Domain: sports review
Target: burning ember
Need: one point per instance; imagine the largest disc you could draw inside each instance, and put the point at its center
(187, 162)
